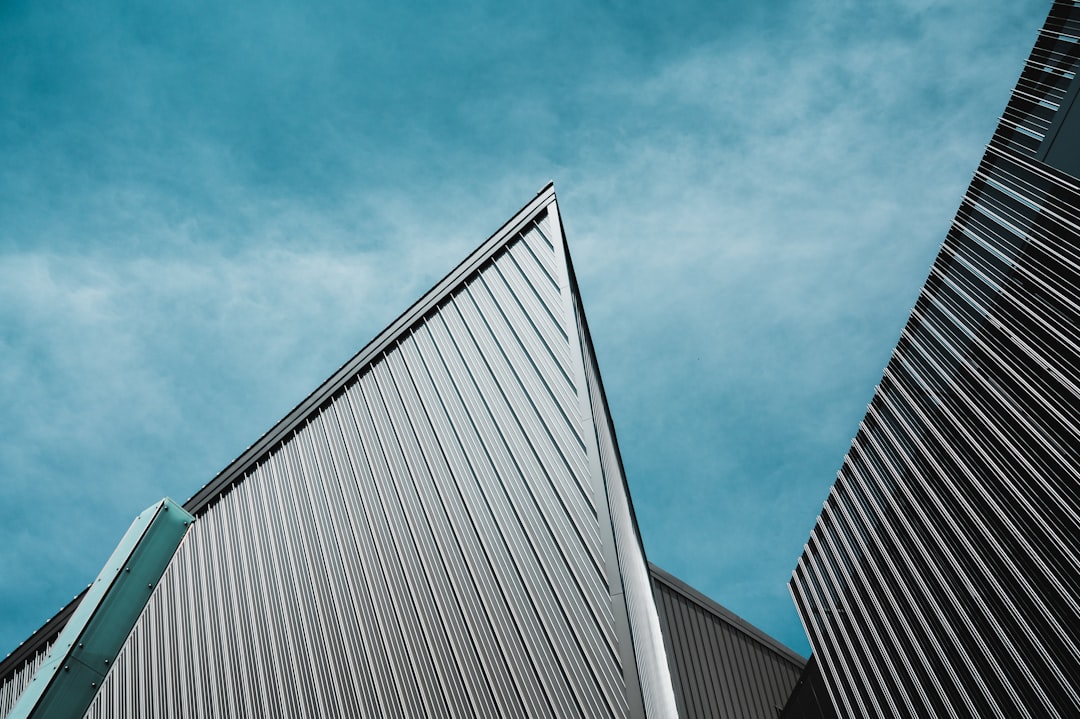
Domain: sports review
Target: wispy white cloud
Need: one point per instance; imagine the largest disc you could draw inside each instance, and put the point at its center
(202, 216)
(751, 239)
(129, 378)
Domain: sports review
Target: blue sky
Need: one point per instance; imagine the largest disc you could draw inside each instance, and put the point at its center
(206, 208)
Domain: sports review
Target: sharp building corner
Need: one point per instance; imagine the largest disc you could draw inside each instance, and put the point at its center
(444, 526)
(941, 578)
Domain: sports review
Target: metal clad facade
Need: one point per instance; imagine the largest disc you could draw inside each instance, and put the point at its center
(431, 539)
(628, 571)
(943, 575)
(14, 685)
(721, 666)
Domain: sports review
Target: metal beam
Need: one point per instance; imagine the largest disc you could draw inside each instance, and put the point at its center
(72, 673)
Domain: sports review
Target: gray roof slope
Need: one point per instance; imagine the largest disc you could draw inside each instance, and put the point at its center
(234, 472)
(721, 665)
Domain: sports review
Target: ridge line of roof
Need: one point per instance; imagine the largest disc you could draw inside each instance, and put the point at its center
(725, 614)
(235, 470)
(41, 637)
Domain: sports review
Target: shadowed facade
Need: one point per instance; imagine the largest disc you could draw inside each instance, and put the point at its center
(941, 578)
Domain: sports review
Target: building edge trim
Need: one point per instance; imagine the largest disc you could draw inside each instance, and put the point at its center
(236, 469)
(726, 615)
(665, 704)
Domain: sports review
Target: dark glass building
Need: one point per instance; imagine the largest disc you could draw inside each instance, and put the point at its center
(943, 575)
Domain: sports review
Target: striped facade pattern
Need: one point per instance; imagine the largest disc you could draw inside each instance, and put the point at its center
(1043, 85)
(14, 685)
(721, 667)
(432, 538)
(943, 575)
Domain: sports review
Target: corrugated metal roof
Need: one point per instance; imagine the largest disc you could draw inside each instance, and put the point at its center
(441, 528)
(421, 536)
(236, 469)
(721, 665)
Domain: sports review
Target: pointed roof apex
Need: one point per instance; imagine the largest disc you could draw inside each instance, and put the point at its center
(236, 470)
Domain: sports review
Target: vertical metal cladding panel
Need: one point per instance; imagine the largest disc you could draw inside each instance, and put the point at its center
(630, 578)
(648, 644)
(721, 666)
(425, 542)
(943, 577)
(12, 688)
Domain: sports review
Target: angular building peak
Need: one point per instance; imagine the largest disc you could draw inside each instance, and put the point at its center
(442, 528)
